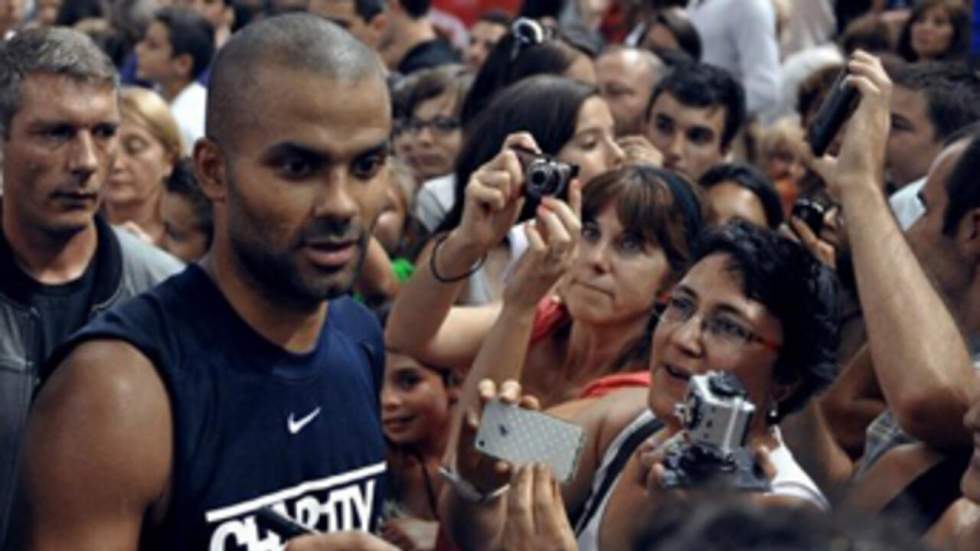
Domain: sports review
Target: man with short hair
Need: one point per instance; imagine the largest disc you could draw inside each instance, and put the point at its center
(626, 78)
(920, 296)
(249, 382)
(410, 41)
(930, 101)
(484, 35)
(175, 51)
(693, 115)
(365, 19)
(60, 263)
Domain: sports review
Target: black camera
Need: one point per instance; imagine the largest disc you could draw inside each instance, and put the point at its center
(545, 176)
(716, 415)
(811, 213)
(834, 111)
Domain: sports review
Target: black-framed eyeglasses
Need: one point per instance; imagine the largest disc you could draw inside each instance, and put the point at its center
(718, 331)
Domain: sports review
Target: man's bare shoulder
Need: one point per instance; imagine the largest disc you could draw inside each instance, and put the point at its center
(98, 450)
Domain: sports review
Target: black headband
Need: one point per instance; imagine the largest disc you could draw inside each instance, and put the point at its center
(684, 198)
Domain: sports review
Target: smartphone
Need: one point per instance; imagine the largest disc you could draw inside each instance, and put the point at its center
(834, 112)
(522, 436)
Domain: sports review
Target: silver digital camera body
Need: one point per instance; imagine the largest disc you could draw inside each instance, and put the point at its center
(716, 412)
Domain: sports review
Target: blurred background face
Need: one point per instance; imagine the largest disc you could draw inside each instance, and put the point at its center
(932, 34)
(912, 142)
(217, 12)
(483, 37)
(435, 136)
(47, 11)
(625, 82)
(391, 222)
(12, 12)
(415, 403)
(140, 167)
(593, 146)
(731, 201)
(183, 235)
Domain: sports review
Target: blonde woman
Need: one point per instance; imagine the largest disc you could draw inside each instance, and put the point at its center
(149, 147)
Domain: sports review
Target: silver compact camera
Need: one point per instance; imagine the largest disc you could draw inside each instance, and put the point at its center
(716, 414)
(545, 176)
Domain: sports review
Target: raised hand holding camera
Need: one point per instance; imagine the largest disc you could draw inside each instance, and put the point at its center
(712, 448)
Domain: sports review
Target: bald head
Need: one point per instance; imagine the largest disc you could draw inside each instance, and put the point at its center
(296, 42)
(627, 77)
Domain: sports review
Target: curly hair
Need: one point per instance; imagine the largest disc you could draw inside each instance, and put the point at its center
(798, 290)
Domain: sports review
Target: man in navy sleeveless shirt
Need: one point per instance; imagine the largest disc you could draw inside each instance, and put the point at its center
(246, 382)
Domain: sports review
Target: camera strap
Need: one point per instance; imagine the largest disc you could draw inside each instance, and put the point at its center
(615, 466)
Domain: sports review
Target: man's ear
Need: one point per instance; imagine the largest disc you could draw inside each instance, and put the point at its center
(379, 23)
(969, 232)
(210, 170)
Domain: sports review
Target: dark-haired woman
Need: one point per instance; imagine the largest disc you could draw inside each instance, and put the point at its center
(530, 48)
(738, 190)
(936, 30)
(568, 120)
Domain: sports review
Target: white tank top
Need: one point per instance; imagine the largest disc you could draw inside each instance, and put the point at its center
(790, 480)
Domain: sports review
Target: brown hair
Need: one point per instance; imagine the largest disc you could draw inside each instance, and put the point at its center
(646, 206)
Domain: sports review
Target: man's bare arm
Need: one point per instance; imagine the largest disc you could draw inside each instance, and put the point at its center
(919, 355)
(98, 451)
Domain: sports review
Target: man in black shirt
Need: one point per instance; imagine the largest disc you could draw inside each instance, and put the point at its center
(59, 264)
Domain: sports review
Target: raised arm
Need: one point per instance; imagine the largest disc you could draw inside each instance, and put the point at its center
(423, 322)
(98, 451)
(918, 353)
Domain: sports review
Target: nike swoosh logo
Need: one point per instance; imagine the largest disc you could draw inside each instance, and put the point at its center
(295, 426)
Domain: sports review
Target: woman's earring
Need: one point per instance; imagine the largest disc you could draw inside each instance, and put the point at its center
(773, 414)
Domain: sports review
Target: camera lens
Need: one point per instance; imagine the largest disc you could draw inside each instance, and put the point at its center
(541, 179)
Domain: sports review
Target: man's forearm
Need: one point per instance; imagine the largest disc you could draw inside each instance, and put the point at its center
(919, 355)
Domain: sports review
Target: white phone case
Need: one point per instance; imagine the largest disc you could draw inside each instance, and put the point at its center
(522, 436)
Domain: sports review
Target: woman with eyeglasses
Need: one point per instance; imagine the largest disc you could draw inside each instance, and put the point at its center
(428, 134)
(754, 304)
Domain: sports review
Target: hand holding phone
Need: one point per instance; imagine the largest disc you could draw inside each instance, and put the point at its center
(522, 436)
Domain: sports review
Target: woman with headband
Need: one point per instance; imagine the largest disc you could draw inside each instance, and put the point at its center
(636, 232)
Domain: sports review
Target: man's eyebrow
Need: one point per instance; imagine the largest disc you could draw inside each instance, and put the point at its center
(380, 149)
(284, 149)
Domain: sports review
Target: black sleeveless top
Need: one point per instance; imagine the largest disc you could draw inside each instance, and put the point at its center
(254, 425)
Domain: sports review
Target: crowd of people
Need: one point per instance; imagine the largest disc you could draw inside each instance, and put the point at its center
(263, 264)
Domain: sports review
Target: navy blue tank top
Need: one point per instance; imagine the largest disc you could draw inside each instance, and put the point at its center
(254, 425)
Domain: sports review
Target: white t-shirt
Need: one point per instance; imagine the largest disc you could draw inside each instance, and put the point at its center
(906, 205)
(790, 480)
(740, 37)
(188, 108)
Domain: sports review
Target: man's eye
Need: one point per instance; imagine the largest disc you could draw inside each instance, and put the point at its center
(60, 133)
(368, 167)
(105, 131)
(296, 167)
(699, 136)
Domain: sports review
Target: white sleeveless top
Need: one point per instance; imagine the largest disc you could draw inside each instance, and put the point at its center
(790, 481)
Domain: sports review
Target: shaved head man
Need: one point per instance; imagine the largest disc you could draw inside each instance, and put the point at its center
(627, 77)
(247, 386)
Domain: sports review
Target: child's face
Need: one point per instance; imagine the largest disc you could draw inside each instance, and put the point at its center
(414, 401)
